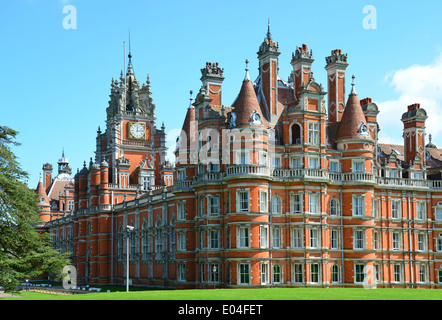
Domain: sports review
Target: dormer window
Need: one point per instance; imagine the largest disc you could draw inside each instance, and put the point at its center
(363, 129)
(255, 119)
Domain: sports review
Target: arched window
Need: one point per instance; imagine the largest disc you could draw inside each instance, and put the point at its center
(295, 134)
(276, 204)
(334, 207)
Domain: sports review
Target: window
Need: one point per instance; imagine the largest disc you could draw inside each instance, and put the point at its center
(182, 272)
(335, 273)
(264, 273)
(297, 238)
(214, 206)
(395, 209)
(181, 237)
(334, 238)
(359, 273)
(296, 163)
(358, 205)
(397, 271)
(214, 239)
(438, 213)
(314, 234)
(334, 209)
(263, 201)
(439, 275)
(181, 210)
(297, 273)
(263, 236)
(296, 201)
(314, 273)
(243, 158)
(214, 167)
(276, 237)
(376, 239)
(358, 166)
(313, 163)
(422, 273)
(276, 204)
(201, 238)
(243, 201)
(276, 162)
(243, 237)
(296, 134)
(334, 166)
(420, 210)
(201, 206)
(439, 244)
(314, 203)
(421, 242)
(359, 239)
(244, 273)
(396, 241)
(376, 208)
(214, 273)
(313, 133)
(276, 273)
(202, 272)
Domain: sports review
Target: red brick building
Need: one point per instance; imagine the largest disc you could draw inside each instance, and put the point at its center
(281, 188)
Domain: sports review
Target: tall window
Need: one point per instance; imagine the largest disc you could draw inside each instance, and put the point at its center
(243, 237)
(421, 241)
(296, 203)
(181, 208)
(276, 204)
(244, 273)
(358, 205)
(297, 238)
(214, 272)
(420, 213)
(201, 206)
(438, 213)
(422, 273)
(359, 273)
(334, 235)
(297, 273)
(181, 237)
(395, 209)
(263, 201)
(314, 273)
(313, 133)
(182, 272)
(314, 234)
(335, 273)
(313, 163)
(314, 203)
(214, 239)
(214, 206)
(296, 163)
(358, 166)
(264, 239)
(359, 239)
(276, 273)
(276, 237)
(264, 273)
(397, 271)
(243, 201)
(396, 240)
(334, 209)
(376, 240)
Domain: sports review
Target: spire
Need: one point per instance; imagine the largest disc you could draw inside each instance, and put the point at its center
(269, 35)
(247, 77)
(353, 90)
(191, 99)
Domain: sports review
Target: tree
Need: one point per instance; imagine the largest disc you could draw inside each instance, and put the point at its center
(23, 252)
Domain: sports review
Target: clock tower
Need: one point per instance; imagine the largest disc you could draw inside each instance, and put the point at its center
(131, 135)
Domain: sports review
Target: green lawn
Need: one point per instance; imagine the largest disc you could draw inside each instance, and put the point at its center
(249, 294)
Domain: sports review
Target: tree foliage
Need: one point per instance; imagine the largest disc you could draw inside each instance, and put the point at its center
(23, 252)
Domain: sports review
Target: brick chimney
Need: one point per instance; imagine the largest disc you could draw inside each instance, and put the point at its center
(414, 132)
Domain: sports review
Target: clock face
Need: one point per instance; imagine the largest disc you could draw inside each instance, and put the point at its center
(137, 130)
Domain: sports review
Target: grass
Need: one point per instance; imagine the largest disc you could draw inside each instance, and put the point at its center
(248, 294)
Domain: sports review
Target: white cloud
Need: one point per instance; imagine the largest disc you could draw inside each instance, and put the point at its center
(415, 84)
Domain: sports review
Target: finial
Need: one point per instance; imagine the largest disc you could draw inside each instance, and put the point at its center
(247, 77)
(130, 54)
(430, 137)
(269, 35)
(191, 99)
(353, 90)
(40, 178)
(62, 152)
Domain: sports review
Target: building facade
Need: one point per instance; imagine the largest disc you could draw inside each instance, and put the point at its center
(281, 188)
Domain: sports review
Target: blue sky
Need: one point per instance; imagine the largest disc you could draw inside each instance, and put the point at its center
(55, 82)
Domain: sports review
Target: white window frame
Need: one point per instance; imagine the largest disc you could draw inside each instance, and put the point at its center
(264, 236)
(243, 236)
(313, 133)
(358, 210)
(359, 239)
(243, 197)
(241, 271)
(263, 201)
(297, 238)
(296, 203)
(314, 203)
